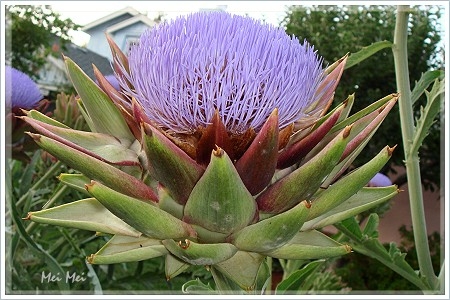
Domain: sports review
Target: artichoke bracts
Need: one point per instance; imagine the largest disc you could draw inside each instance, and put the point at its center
(217, 150)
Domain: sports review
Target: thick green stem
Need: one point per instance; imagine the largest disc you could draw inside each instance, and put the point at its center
(411, 157)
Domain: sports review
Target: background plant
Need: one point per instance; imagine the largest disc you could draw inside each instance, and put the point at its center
(375, 77)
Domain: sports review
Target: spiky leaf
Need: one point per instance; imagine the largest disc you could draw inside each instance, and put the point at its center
(272, 232)
(310, 244)
(105, 116)
(220, 202)
(121, 249)
(144, 216)
(200, 254)
(86, 214)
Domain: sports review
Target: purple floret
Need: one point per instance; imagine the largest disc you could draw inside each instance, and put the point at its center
(20, 91)
(185, 69)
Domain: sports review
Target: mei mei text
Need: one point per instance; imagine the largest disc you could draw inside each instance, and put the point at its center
(68, 277)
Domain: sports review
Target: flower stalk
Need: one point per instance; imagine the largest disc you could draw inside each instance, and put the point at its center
(411, 157)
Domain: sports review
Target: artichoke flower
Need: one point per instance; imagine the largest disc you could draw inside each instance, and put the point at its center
(218, 150)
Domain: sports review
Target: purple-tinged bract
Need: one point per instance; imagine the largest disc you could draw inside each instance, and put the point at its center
(21, 91)
(186, 69)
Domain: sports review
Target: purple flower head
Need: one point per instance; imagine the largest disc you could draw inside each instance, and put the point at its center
(186, 69)
(21, 91)
(380, 180)
(112, 79)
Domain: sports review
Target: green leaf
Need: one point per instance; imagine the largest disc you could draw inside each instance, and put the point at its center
(363, 112)
(302, 183)
(174, 266)
(310, 244)
(120, 249)
(101, 146)
(243, 269)
(37, 115)
(366, 52)
(75, 181)
(143, 216)
(200, 254)
(362, 132)
(169, 164)
(220, 202)
(105, 116)
(363, 200)
(53, 266)
(348, 185)
(224, 284)
(428, 114)
(196, 287)
(96, 169)
(425, 80)
(272, 232)
(296, 280)
(86, 214)
(372, 247)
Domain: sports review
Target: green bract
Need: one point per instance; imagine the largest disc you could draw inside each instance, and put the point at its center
(212, 198)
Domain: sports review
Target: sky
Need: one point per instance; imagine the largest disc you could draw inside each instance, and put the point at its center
(84, 12)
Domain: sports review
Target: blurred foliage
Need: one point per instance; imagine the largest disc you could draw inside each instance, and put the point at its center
(375, 276)
(31, 30)
(337, 30)
(28, 270)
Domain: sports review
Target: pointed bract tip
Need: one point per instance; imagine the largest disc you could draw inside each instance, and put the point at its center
(347, 131)
(218, 151)
(28, 217)
(24, 111)
(307, 203)
(34, 136)
(390, 150)
(348, 248)
(89, 185)
(275, 111)
(90, 258)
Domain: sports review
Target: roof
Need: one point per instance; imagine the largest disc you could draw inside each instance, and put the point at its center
(127, 10)
(85, 58)
(131, 21)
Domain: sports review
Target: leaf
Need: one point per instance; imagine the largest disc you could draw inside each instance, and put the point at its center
(220, 202)
(174, 266)
(366, 52)
(296, 280)
(101, 146)
(96, 169)
(310, 244)
(428, 114)
(303, 182)
(169, 164)
(427, 78)
(105, 116)
(141, 215)
(348, 185)
(121, 249)
(243, 269)
(196, 287)
(273, 232)
(200, 254)
(363, 200)
(86, 214)
(372, 247)
(75, 181)
(50, 261)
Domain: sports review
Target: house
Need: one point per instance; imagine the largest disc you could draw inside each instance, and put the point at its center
(125, 26)
(53, 76)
